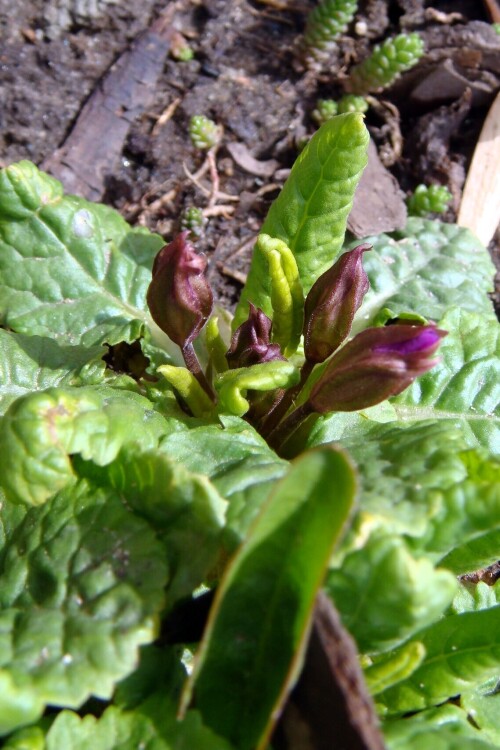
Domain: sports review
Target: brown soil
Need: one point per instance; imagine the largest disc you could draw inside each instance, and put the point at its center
(246, 75)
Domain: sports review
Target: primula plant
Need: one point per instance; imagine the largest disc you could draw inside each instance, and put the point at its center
(341, 431)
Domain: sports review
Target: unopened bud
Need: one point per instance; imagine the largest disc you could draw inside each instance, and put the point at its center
(376, 364)
(332, 303)
(179, 297)
(251, 342)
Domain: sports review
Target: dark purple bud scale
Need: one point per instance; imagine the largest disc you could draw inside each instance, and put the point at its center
(179, 297)
(376, 364)
(332, 303)
(251, 342)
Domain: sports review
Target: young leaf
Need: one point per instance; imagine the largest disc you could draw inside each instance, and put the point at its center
(265, 600)
(82, 587)
(310, 213)
(41, 430)
(70, 269)
(34, 363)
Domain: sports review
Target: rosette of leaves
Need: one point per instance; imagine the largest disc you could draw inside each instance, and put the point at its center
(204, 132)
(386, 63)
(119, 498)
(429, 199)
(324, 24)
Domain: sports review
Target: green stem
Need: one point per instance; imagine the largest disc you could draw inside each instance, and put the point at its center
(193, 365)
(282, 406)
(283, 431)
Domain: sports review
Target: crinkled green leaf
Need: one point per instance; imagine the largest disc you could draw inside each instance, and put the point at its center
(82, 585)
(444, 728)
(462, 650)
(405, 471)
(475, 596)
(251, 650)
(34, 363)
(384, 595)
(310, 213)
(427, 269)
(40, 431)
(184, 507)
(466, 384)
(417, 480)
(238, 462)
(152, 726)
(70, 269)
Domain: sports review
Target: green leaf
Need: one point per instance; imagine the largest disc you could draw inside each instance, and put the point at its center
(474, 597)
(426, 269)
(40, 431)
(70, 269)
(238, 462)
(34, 363)
(483, 706)
(444, 728)
(265, 600)
(266, 376)
(82, 585)
(406, 471)
(310, 213)
(465, 386)
(462, 650)
(185, 509)
(384, 595)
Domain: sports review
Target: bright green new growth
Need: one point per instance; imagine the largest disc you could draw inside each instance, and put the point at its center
(204, 132)
(387, 61)
(352, 103)
(496, 26)
(287, 297)
(192, 219)
(325, 24)
(325, 110)
(429, 199)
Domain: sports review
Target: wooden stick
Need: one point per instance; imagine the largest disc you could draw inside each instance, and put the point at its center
(480, 207)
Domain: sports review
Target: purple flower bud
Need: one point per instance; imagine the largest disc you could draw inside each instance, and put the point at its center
(332, 303)
(179, 297)
(251, 342)
(374, 365)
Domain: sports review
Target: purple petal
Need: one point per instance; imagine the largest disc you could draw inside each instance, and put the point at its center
(426, 339)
